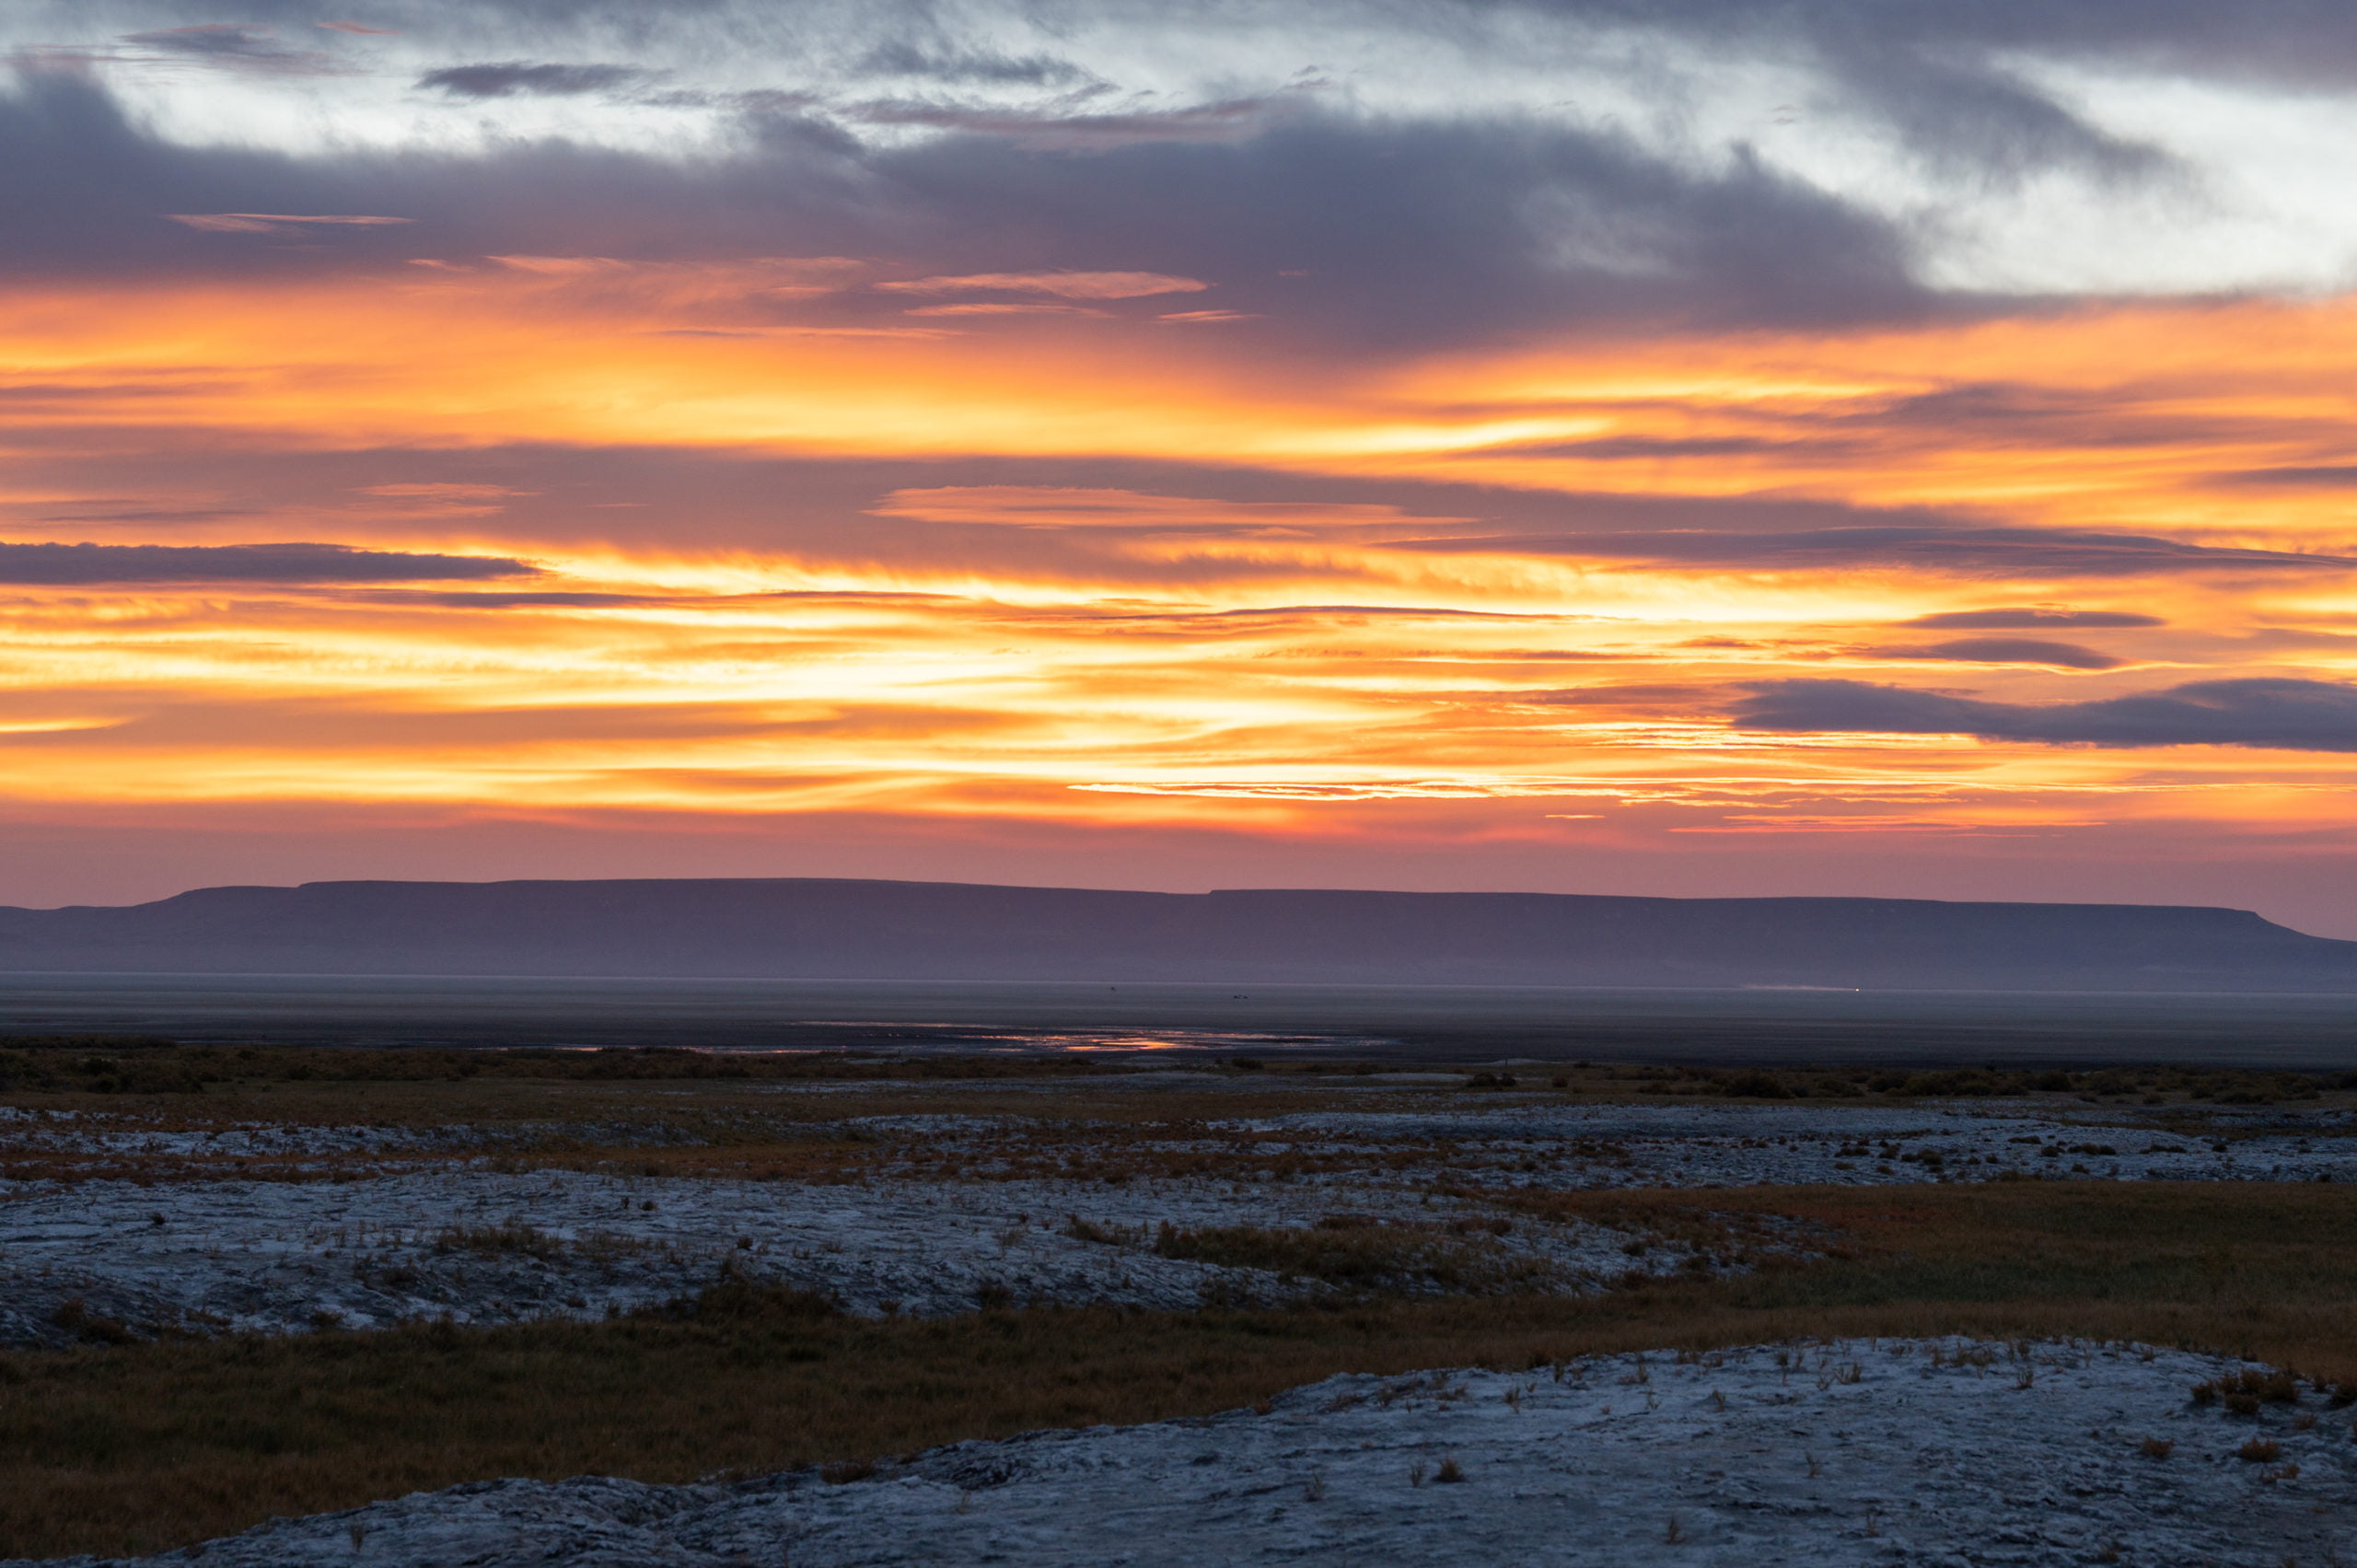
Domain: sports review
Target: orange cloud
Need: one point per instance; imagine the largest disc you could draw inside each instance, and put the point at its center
(1502, 582)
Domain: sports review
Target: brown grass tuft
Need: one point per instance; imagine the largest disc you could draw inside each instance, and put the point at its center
(1362, 1257)
(2243, 1393)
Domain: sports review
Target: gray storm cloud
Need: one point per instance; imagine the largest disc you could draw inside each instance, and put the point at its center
(232, 46)
(2277, 712)
(507, 78)
(2022, 553)
(1334, 200)
(92, 564)
(2007, 650)
(1361, 234)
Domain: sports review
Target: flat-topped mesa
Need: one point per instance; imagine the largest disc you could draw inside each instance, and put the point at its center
(832, 929)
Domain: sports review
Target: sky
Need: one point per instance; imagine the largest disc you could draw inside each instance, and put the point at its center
(1693, 447)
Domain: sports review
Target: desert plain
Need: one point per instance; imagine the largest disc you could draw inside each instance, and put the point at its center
(272, 1305)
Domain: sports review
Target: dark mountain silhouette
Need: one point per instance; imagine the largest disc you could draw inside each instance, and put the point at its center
(798, 928)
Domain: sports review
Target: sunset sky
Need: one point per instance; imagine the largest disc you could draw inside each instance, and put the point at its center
(1682, 446)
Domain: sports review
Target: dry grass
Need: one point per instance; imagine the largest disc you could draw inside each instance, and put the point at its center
(94, 1072)
(781, 1116)
(2260, 1270)
(152, 1064)
(140, 1448)
(1365, 1256)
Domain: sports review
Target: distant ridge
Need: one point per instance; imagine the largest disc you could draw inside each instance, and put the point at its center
(826, 929)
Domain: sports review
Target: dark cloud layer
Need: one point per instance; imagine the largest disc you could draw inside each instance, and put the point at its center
(1954, 83)
(235, 46)
(1961, 552)
(902, 58)
(2289, 41)
(1350, 225)
(1401, 232)
(2008, 650)
(1946, 81)
(2275, 712)
(1356, 231)
(818, 508)
(2309, 40)
(1971, 116)
(511, 78)
(90, 565)
(2328, 476)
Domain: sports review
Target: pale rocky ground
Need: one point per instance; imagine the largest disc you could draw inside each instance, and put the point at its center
(1884, 1454)
(1743, 1144)
(1890, 1453)
(481, 1247)
(426, 1226)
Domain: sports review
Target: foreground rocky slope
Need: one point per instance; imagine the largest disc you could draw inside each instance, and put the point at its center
(1899, 1452)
